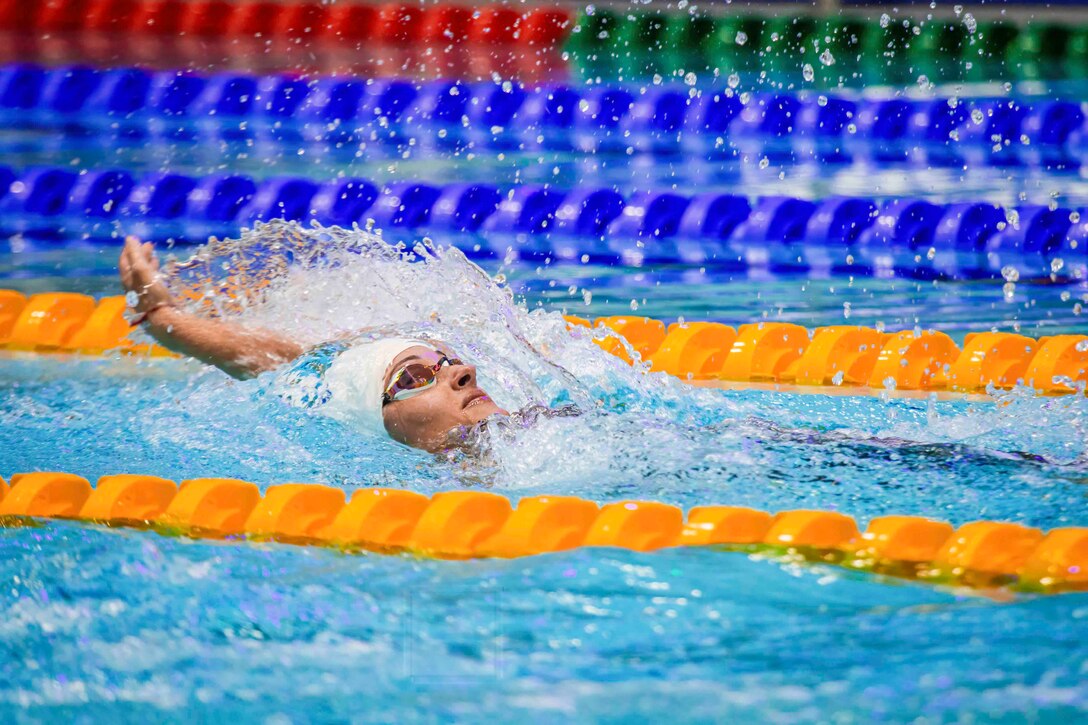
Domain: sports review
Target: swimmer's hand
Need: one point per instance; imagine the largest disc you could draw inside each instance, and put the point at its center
(140, 274)
(236, 350)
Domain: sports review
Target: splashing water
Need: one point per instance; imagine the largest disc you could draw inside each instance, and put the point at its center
(639, 435)
(577, 631)
(320, 284)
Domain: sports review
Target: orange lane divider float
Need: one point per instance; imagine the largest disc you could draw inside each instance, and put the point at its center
(476, 524)
(846, 356)
(67, 322)
(778, 353)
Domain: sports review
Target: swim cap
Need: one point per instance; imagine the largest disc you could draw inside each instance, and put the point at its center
(356, 381)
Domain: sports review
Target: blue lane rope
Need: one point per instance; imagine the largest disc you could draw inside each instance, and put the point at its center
(597, 117)
(910, 237)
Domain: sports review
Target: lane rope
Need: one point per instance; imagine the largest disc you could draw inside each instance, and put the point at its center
(842, 357)
(776, 234)
(599, 117)
(475, 524)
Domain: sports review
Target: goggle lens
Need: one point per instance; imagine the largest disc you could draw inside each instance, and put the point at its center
(415, 378)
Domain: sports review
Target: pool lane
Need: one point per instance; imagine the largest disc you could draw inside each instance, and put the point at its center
(671, 292)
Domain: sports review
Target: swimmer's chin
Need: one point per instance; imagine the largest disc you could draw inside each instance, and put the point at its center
(480, 407)
(469, 436)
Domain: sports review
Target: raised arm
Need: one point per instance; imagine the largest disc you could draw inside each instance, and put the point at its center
(236, 350)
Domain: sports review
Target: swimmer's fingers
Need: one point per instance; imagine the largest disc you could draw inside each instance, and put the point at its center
(139, 266)
(125, 265)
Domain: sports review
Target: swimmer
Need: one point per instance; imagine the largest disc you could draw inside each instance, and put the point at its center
(415, 391)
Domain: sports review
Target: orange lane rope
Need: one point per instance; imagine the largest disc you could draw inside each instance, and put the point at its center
(472, 524)
(842, 357)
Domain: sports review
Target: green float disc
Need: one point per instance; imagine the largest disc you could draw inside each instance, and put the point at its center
(693, 33)
(594, 30)
(1041, 42)
(941, 39)
(991, 41)
(735, 45)
(789, 37)
(638, 32)
(845, 37)
(888, 45)
(986, 54)
(1076, 53)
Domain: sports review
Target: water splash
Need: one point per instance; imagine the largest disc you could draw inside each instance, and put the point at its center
(323, 283)
(639, 435)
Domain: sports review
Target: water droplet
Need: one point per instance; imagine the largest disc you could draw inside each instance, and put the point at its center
(1056, 265)
(976, 116)
(1065, 296)
(957, 9)
(1009, 290)
(931, 253)
(733, 80)
(826, 57)
(1010, 273)
(846, 310)
(764, 162)
(836, 379)
(821, 101)
(1074, 216)
(132, 299)
(742, 38)
(885, 20)
(970, 22)
(807, 72)
(1081, 346)
(690, 79)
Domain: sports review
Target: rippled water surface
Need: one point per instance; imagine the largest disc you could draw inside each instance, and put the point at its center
(100, 623)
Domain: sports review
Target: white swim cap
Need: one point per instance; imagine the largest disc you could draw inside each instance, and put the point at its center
(356, 381)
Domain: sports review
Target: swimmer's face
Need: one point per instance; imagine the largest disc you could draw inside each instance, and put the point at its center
(423, 420)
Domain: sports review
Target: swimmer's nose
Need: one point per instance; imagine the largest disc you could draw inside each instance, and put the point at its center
(462, 376)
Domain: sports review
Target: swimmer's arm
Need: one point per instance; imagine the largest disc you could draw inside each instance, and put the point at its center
(236, 350)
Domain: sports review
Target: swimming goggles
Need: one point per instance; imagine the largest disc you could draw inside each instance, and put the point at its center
(415, 378)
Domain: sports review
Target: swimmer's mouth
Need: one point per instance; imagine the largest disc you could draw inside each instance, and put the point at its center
(476, 398)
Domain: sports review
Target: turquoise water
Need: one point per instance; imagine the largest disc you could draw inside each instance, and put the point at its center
(121, 624)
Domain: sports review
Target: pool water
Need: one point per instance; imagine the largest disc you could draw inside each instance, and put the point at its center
(104, 622)
(124, 625)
